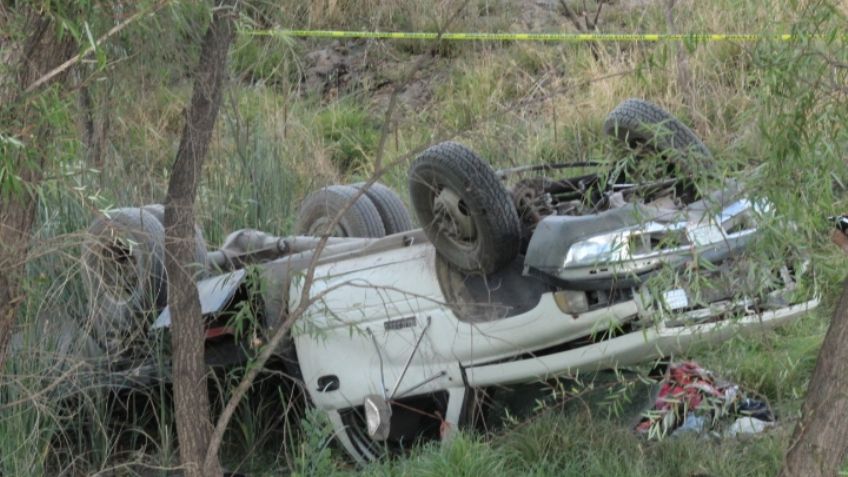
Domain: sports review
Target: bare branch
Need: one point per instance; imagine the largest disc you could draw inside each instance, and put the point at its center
(76, 58)
(597, 14)
(572, 17)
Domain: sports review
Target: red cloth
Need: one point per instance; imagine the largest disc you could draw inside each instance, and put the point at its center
(683, 389)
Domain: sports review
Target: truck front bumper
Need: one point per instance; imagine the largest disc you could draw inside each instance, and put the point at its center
(631, 348)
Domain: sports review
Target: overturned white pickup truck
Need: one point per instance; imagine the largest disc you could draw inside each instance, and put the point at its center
(498, 286)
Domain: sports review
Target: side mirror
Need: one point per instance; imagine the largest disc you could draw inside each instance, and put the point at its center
(378, 415)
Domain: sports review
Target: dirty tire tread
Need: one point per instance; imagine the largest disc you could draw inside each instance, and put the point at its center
(114, 318)
(634, 118)
(496, 219)
(392, 210)
(362, 219)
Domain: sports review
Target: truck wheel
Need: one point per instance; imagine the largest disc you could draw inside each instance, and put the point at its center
(319, 209)
(124, 276)
(392, 210)
(200, 250)
(464, 208)
(637, 123)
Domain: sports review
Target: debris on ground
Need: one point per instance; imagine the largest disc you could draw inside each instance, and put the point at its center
(343, 66)
(693, 400)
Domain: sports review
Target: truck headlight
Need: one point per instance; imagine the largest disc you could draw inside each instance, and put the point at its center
(599, 249)
(649, 240)
(378, 416)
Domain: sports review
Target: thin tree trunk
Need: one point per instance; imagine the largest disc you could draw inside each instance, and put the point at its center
(17, 212)
(820, 441)
(95, 120)
(42, 50)
(191, 400)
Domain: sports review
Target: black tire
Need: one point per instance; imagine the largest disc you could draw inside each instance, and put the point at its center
(396, 218)
(464, 208)
(200, 249)
(124, 274)
(637, 123)
(319, 208)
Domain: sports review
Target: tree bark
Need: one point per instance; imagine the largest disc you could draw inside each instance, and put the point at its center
(95, 123)
(41, 51)
(191, 400)
(820, 440)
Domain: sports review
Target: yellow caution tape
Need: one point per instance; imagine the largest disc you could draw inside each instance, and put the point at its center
(560, 37)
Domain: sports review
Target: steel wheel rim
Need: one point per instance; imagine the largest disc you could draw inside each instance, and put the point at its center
(322, 227)
(452, 218)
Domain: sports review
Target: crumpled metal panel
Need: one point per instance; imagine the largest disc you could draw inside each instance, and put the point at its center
(214, 292)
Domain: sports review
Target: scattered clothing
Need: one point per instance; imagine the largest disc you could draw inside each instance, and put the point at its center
(693, 424)
(756, 409)
(693, 400)
(747, 425)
